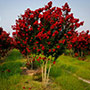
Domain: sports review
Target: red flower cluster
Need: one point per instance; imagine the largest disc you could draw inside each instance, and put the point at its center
(78, 41)
(76, 54)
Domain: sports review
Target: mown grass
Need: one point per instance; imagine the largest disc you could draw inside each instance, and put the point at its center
(65, 68)
(80, 68)
(61, 79)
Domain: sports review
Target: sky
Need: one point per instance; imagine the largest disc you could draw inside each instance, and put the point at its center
(11, 9)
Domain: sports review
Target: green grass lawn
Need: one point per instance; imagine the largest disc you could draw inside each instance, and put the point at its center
(61, 79)
(64, 65)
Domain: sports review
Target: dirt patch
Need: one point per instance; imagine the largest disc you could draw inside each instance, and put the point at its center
(26, 71)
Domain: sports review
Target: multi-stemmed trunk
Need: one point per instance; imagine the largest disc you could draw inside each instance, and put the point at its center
(45, 73)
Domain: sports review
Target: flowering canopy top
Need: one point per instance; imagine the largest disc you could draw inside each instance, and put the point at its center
(43, 30)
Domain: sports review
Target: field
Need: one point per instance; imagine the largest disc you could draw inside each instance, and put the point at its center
(67, 74)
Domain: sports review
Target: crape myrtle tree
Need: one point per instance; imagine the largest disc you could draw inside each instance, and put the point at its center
(83, 41)
(79, 42)
(43, 31)
(6, 42)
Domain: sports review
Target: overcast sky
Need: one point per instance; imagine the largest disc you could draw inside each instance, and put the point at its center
(10, 9)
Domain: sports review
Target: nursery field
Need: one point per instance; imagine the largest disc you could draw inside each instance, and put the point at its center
(67, 73)
(45, 51)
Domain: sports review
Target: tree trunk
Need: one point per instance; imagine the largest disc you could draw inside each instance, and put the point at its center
(45, 74)
(81, 53)
(49, 70)
(27, 58)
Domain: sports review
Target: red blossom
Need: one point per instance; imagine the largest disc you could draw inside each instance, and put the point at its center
(28, 50)
(49, 50)
(31, 16)
(37, 42)
(38, 50)
(31, 29)
(23, 87)
(54, 50)
(54, 62)
(34, 48)
(43, 48)
(36, 23)
(58, 46)
(39, 57)
(76, 54)
(49, 32)
(50, 4)
(43, 29)
(29, 88)
(38, 60)
(49, 43)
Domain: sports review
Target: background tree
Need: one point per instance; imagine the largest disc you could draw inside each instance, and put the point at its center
(79, 42)
(6, 42)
